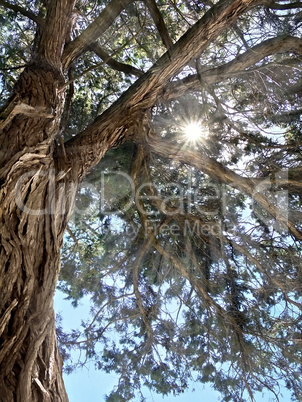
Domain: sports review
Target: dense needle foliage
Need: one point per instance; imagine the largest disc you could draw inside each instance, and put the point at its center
(190, 250)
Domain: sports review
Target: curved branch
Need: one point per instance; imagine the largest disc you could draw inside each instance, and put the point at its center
(197, 285)
(239, 64)
(116, 65)
(159, 22)
(23, 11)
(202, 161)
(217, 171)
(81, 43)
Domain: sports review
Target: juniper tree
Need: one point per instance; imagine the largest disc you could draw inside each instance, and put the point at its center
(89, 87)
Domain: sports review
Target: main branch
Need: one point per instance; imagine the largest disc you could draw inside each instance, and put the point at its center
(87, 148)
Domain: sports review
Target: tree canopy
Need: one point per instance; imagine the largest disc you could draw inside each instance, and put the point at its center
(179, 125)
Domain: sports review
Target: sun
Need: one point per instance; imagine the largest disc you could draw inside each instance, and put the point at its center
(193, 131)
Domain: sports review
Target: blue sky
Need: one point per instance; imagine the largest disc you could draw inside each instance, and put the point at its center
(89, 385)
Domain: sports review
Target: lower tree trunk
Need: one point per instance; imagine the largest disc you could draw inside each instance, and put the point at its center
(32, 226)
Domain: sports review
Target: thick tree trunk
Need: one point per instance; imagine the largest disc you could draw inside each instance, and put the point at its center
(30, 365)
(34, 209)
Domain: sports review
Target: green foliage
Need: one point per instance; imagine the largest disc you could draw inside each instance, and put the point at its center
(216, 299)
(190, 278)
(220, 312)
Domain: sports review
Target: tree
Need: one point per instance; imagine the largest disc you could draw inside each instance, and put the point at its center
(80, 79)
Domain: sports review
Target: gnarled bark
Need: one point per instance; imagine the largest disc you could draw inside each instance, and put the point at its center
(34, 209)
(33, 216)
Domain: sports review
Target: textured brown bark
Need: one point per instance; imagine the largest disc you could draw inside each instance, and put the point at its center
(54, 33)
(32, 221)
(33, 215)
(37, 193)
